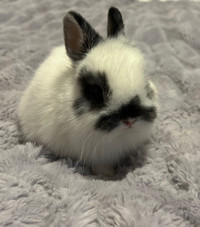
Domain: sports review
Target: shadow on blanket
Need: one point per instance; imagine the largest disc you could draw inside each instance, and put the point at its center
(126, 165)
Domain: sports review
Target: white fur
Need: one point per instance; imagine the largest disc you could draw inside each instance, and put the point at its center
(46, 112)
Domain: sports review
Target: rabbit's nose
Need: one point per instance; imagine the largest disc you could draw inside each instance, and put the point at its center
(129, 122)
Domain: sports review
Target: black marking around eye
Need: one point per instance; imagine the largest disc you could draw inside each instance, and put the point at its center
(132, 109)
(149, 91)
(94, 88)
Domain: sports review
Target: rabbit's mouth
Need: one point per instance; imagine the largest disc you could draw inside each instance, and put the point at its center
(129, 123)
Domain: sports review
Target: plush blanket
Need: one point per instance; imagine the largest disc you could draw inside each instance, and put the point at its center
(160, 184)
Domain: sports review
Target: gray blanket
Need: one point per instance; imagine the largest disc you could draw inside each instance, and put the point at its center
(160, 185)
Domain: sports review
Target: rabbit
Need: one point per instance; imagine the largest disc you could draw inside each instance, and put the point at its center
(90, 100)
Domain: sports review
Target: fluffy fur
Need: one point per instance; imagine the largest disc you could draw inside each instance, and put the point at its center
(46, 110)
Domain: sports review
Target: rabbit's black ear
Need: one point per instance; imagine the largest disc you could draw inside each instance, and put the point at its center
(115, 25)
(79, 36)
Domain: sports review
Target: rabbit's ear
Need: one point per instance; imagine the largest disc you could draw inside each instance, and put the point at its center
(115, 25)
(79, 36)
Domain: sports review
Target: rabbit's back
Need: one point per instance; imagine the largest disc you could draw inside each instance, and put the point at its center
(41, 105)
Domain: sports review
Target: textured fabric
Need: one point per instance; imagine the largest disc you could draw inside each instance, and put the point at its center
(162, 184)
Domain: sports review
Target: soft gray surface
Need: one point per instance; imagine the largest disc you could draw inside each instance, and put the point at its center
(164, 189)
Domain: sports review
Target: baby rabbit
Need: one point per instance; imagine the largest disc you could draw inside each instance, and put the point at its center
(90, 99)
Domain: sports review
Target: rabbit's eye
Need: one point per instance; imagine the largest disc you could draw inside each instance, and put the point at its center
(94, 94)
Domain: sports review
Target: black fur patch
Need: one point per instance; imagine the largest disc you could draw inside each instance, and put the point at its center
(149, 91)
(108, 122)
(94, 88)
(115, 22)
(131, 110)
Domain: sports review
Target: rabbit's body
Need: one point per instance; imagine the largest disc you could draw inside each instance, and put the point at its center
(82, 105)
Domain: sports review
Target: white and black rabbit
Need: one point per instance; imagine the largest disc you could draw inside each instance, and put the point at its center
(90, 99)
